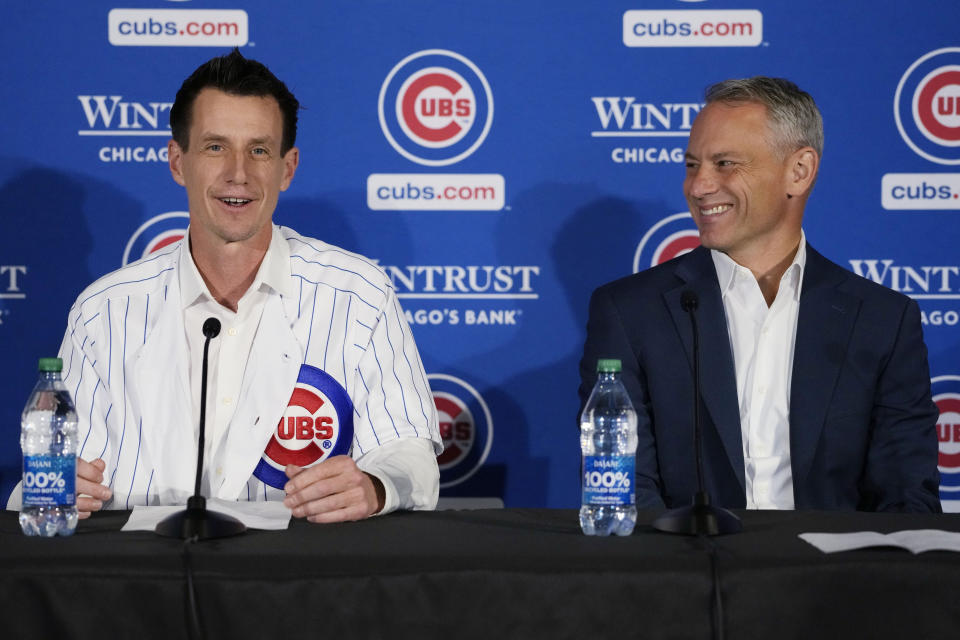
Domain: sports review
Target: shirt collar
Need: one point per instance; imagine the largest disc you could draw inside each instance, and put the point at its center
(274, 271)
(192, 286)
(727, 269)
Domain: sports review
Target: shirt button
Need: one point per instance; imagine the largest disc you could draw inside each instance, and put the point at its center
(232, 331)
(762, 390)
(219, 471)
(227, 400)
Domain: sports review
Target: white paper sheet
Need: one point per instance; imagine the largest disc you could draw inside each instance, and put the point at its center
(913, 540)
(256, 515)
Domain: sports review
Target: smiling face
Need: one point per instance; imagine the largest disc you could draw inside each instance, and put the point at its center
(737, 184)
(233, 169)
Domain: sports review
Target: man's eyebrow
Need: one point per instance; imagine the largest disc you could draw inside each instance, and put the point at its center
(212, 137)
(716, 156)
(218, 137)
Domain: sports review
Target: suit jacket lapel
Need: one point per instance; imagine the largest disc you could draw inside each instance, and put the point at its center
(824, 326)
(717, 373)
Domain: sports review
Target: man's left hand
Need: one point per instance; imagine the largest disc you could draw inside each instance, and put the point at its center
(333, 491)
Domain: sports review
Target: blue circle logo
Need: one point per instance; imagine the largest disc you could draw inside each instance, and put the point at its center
(946, 395)
(435, 107)
(155, 234)
(926, 106)
(466, 428)
(317, 425)
(671, 237)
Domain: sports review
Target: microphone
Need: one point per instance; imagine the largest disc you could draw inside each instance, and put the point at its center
(211, 328)
(701, 518)
(195, 521)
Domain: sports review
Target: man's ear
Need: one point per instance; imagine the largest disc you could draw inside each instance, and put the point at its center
(801, 167)
(291, 160)
(175, 158)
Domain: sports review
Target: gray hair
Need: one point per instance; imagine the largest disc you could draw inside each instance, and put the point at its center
(794, 118)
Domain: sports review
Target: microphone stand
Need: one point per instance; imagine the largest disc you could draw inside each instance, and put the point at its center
(700, 518)
(196, 521)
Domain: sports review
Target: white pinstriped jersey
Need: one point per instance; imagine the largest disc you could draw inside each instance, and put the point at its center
(126, 364)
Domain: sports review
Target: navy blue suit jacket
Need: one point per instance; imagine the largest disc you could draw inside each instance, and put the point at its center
(862, 422)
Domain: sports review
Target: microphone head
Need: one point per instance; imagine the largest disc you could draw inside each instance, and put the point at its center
(211, 327)
(689, 300)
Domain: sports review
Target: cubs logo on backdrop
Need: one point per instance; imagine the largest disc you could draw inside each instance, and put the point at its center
(466, 427)
(946, 394)
(155, 234)
(317, 424)
(435, 107)
(927, 106)
(671, 237)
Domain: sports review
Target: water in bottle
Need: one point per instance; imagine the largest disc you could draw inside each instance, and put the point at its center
(48, 438)
(608, 442)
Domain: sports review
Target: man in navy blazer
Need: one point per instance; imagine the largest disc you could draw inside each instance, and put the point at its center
(853, 425)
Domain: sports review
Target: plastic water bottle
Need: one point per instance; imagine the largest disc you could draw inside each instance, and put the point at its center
(48, 438)
(608, 442)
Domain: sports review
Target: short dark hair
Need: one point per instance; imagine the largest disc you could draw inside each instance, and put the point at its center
(237, 76)
(794, 116)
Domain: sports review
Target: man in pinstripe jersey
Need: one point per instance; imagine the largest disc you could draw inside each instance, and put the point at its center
(289, 305)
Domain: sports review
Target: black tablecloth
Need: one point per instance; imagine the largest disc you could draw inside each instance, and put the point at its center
(511, 573)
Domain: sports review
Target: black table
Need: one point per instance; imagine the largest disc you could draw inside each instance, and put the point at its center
(510, 573)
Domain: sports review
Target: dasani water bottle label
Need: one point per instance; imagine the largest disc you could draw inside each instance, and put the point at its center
(608, 480)
(49, 481)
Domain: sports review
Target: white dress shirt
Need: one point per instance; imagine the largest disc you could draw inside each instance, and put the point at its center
(226, 365)
(401, 465)
(762, 341)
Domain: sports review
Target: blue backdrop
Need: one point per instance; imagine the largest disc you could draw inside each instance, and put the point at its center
(500, 159)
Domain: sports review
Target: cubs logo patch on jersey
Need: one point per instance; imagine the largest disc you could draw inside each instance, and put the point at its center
(317, 424)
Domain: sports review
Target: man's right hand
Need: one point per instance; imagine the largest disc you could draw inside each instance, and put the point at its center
(91, 492)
